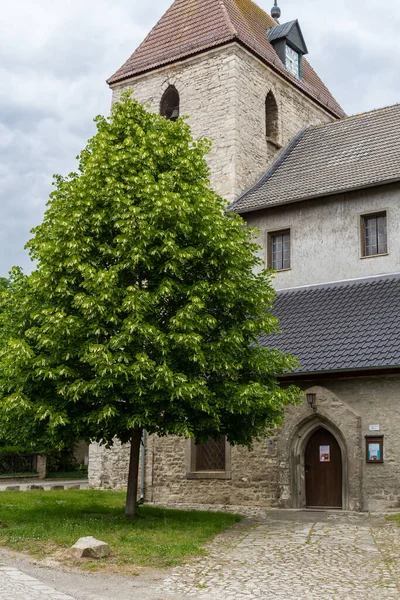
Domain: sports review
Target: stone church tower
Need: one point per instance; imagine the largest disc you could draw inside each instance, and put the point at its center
(243, 82)
(213, 60)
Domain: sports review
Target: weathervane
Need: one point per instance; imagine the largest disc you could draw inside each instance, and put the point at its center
(276, 11)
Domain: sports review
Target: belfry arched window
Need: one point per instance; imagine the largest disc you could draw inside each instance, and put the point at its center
(271, 118)
(169, 107)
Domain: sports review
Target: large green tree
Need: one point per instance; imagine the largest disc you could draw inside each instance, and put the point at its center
(146, 304)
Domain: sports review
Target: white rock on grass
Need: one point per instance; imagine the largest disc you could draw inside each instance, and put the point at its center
(90, 547)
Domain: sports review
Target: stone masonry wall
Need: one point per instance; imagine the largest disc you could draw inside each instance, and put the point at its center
(223, 94)
(254, 154)
(108, 468)
(253, 482)
(207, 88)
(266, 475)
(377, 401)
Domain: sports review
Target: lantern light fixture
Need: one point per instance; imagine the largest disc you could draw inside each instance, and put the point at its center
(312, 400)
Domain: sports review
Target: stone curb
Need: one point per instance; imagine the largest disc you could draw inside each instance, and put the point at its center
(30, 583)
(44, 485)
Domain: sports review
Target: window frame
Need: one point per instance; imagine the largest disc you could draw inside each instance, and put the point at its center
(377, 439)
(270, 237)
(297, 73)
(191, 472)
(363, 240)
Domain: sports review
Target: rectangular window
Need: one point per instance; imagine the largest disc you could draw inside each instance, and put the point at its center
(279, 250)
(211, 455)
(374, 234)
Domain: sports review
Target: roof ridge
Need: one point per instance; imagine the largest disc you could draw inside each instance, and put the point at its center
(352, 117)
(227, 18)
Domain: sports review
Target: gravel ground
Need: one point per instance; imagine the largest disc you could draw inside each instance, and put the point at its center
(81, 585)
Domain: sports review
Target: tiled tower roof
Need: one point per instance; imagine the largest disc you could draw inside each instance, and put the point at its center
(190, 27)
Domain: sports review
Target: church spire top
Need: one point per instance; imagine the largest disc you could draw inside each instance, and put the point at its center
(276, 11)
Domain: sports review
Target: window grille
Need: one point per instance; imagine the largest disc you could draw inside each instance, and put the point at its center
(211, 455)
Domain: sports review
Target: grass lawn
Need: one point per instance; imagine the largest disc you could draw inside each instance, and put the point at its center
(15, 475)
(48, 523)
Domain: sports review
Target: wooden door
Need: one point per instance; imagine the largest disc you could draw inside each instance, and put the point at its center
(323, 465)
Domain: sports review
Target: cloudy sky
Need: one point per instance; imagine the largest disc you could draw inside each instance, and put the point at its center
(55, 57)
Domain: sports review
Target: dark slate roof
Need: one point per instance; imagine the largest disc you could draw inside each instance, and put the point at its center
(280, 31)
(354, 153)
(348, 325)
(193, 26)
(287, 30)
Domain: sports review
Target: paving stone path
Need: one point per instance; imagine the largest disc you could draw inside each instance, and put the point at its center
(278, 555)
(15, 585)
(296, 556)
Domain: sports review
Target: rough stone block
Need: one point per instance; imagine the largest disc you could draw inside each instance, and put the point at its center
(90, 547)
(13, 488)
(57, 487)
(35, 487)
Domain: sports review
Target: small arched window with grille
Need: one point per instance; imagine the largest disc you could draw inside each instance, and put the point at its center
(169, 107)
(271, 118)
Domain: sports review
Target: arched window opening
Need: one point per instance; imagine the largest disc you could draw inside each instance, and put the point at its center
(170, 104)
(271, 118)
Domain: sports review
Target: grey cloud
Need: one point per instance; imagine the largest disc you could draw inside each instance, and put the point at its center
(56, 56)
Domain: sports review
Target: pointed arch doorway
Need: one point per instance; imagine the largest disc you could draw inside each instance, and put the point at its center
(323, 470)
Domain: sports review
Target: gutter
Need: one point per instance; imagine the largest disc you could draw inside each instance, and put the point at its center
(338, 192)
(339, 373)
(143, 465)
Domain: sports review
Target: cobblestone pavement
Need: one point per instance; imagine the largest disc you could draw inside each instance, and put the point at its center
(296, 556)
(15, 585)
(273, 555)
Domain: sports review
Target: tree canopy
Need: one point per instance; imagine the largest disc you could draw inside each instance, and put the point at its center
(147, 301)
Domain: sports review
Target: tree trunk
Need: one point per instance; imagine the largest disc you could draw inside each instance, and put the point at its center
(131, 496)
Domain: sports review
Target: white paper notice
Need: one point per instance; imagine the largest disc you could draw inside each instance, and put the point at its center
(324, 454)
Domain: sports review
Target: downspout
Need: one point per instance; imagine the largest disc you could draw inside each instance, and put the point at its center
(143, 466)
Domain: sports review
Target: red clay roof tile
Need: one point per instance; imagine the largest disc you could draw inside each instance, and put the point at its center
(192, 26)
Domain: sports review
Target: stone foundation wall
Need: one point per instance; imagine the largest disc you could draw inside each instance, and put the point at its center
(269, 475)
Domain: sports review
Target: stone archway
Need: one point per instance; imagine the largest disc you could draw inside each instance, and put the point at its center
(301, 421)
(304, 431)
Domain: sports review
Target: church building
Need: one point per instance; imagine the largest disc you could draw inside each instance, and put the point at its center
(323, 189)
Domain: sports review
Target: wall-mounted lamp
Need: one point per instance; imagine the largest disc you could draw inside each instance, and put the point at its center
(312, 401)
